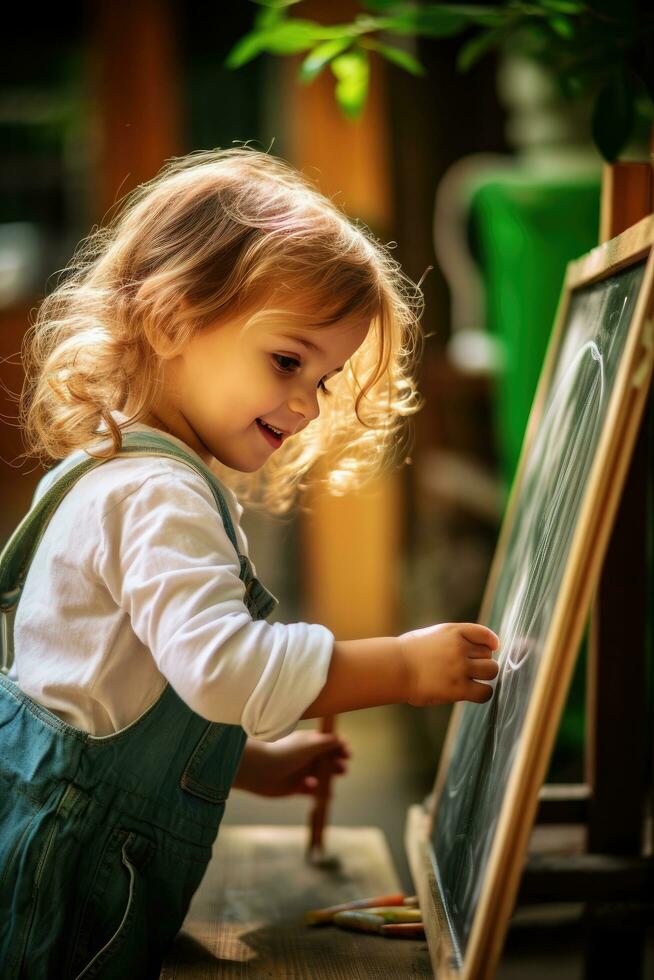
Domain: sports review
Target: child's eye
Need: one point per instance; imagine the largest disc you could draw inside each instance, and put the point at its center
(290, 364)
(289, 360)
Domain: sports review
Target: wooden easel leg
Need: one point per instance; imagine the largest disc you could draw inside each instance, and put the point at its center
(616, 737)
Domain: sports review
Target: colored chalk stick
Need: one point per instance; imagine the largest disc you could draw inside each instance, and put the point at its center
(399, 913)
(321, 917)
(359, 921)
(404, 930)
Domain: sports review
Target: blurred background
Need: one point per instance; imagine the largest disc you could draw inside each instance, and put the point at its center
(485, 180)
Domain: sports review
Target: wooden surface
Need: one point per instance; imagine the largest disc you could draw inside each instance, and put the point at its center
(445, 958)
(246, 918)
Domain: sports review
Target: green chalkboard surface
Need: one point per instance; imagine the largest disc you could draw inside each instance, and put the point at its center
(576, 451)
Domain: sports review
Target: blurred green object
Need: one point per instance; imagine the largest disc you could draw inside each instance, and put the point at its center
(527, 228)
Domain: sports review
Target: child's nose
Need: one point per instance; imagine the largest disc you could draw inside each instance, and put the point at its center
(306, 404)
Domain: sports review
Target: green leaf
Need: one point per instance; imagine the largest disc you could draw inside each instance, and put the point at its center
(613, 116)
(292, 36)
(442, 20)
(397, 56)
(321, 55)
(249, 47)
(487, 16)
(352, 73)
(565, 6)
(572, 84)
(563, 26)
(427, 22)
(267, 17)
(478, 46)
(286, 36)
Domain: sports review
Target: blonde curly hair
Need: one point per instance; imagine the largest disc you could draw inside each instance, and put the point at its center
(219, 231)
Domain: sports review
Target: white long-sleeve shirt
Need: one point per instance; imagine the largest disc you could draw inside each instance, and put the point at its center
(135, 584)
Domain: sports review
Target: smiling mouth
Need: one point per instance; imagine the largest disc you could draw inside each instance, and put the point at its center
(273, 437)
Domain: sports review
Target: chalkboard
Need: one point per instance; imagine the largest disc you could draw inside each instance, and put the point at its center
(576, 451)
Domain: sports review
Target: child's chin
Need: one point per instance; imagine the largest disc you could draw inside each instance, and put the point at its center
(240, 465)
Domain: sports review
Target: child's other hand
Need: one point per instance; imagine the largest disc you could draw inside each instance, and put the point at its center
(292, 764)
(297, 760)
(446, 662)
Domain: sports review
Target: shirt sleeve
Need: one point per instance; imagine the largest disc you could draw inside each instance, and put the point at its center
(168, 562)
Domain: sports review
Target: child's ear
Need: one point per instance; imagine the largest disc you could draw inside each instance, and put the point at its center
(163, 346)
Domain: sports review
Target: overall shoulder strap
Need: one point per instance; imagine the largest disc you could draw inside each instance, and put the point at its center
(19, 550)
(17, 554)
(151, 444)
(259, 600)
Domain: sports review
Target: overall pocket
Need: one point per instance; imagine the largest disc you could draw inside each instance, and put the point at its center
(211, 768)
(22, 832)
(39, 858)
(111, 909)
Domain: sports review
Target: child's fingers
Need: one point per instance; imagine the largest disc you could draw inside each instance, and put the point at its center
(321, 744)
(330, 767)
(340, 751)
(329, 741)
(310, 783)
(477, 652)
(336, 753)
(479, 693)
(483, 670)
(476, 633)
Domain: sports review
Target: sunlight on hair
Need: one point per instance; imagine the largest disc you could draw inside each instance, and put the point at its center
(217, 233)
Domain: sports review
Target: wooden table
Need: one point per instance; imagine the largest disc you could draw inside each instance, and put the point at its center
(245, 921)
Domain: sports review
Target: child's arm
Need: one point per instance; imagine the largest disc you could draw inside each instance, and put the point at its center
(434, 665)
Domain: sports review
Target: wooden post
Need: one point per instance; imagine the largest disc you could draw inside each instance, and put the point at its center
(616, 736)
(138, 102)
(349, 544)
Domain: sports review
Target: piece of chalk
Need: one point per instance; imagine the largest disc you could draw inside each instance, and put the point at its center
(397, 913)
(404, 930)
(321, 917)
(359, 921)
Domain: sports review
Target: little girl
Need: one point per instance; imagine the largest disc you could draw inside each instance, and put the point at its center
(229, 329)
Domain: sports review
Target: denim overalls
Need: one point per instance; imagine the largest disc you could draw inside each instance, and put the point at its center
(104, 840)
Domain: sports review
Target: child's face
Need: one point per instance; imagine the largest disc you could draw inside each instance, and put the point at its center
(229, 383)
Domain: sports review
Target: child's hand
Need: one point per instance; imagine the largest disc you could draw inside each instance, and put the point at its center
(444, 663)
(291, 765)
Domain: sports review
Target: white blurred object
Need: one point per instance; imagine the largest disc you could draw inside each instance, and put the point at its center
(459, 266)
(20, 260)
(457, 481)
(552, 138)
(476, 352)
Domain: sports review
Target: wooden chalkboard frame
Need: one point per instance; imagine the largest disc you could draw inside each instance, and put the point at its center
(606, 480)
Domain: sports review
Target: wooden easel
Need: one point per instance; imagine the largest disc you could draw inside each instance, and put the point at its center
(612, 877)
